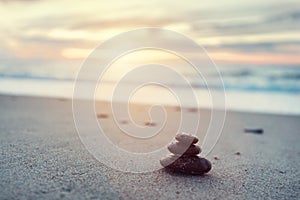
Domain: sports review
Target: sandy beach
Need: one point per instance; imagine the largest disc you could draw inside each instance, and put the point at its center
(42, 157)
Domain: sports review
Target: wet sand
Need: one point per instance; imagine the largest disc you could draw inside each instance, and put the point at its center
(43, 157)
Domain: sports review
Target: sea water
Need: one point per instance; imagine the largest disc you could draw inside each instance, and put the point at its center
(266, 89)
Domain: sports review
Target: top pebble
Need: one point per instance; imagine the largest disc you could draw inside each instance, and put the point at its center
(186, 138)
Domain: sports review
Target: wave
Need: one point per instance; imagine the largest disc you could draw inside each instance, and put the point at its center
(251, 79)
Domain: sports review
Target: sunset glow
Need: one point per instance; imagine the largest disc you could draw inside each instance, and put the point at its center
(260, 32)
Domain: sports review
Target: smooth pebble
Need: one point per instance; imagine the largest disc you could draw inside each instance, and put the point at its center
(194, 165)
(186, 138)
(181, 148)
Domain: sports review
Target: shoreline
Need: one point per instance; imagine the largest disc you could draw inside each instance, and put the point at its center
(149, 104)
(43, 157)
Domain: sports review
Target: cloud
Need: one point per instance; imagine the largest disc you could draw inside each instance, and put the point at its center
(125, 23)
(293, 15)
(262, 27)
(266, 23)
(291, 47)
(39, 39)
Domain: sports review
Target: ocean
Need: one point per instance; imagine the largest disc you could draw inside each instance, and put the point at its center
(265, 89)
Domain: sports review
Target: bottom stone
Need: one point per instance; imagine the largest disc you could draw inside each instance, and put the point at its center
(189, 165)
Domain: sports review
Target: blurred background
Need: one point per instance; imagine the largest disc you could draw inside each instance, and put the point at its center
(255, 44)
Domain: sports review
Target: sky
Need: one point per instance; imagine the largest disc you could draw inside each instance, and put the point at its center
(63, 32)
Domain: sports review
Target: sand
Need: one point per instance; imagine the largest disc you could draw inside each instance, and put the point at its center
(42, 157)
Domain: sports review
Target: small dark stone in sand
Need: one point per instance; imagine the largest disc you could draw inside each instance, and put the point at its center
(177, 108)
(67, 189)
(192, 110)
(216, 158)
(238, 153)
(181, 148)
(188, 165)
(124, 121)
(254, 130)
(102, 116)
(150, 124)
(186, 138)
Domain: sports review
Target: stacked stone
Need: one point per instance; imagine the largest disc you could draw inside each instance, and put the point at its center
(185, 157)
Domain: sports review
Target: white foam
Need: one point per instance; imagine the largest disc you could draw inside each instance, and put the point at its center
(264, 102)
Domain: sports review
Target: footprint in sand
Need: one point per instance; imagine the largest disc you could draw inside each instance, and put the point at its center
(150, 124)
(177, 108)
(102, 116)
(124, 121)
(192, 110)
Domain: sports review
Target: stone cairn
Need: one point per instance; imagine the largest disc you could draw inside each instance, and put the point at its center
(184, 157)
